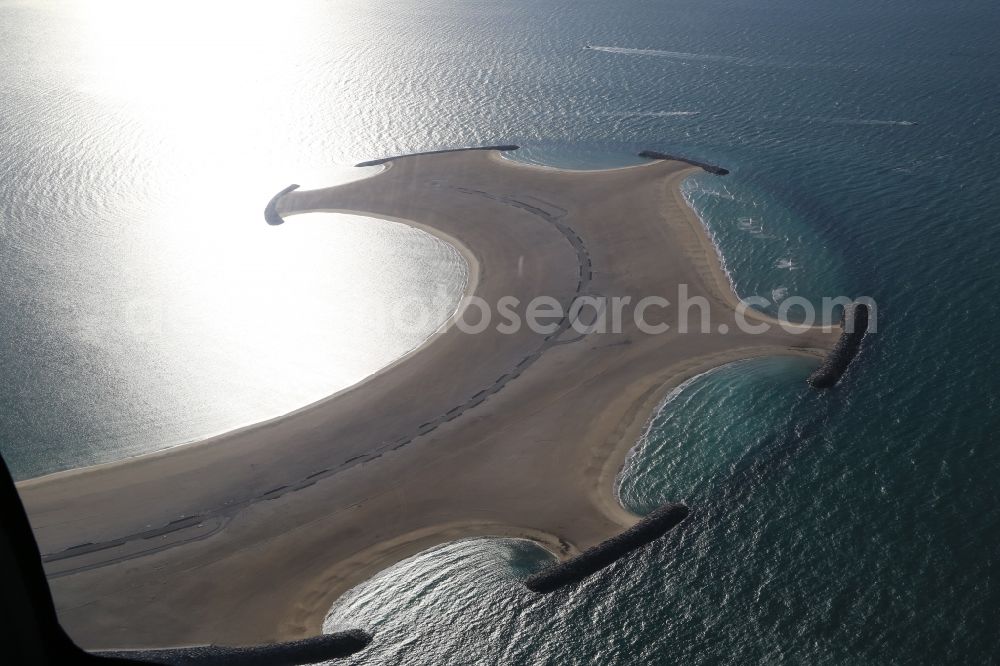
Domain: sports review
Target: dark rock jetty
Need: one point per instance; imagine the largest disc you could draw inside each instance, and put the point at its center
(855, 325)
(710, 168)
(594, 559)
(383, 160)
(270, 210)
(307, 651)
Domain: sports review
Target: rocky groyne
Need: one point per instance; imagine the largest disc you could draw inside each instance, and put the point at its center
(855, 324)
(710, 168)
(307, 651)
(271, 210)
(383, 160)
(594, 559)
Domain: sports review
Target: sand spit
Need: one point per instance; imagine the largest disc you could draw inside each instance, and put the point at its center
(252, 535)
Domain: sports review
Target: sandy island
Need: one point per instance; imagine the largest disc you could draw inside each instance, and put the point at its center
(252, 535)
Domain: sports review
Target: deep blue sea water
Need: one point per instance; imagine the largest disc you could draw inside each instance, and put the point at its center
(858, 525)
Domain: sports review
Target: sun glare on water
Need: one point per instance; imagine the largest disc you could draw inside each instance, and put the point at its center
(203, 94)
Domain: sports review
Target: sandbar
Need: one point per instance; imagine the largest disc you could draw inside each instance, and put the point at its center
(252, 535)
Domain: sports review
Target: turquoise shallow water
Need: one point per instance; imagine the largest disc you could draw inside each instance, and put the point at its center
(720, 432)
(855, 526)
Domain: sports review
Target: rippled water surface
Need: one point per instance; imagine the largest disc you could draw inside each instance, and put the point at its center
(854, 526)
(145, 303)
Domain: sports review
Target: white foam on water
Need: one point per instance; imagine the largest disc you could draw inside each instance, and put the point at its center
(723, 193)
(788, 264)
(749, 225)
(687, 194)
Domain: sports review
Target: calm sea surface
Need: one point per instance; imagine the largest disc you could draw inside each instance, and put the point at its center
(145, 303)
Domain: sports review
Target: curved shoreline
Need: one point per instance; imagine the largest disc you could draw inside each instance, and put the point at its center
(470, 289)
(583, 564)
(645, 409)
(467, 476)
(273, 218)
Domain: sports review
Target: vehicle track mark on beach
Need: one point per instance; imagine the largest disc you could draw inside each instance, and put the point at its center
(544, 210)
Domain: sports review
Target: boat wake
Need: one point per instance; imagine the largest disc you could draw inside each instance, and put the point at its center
(689, 57)
(652, 114)
(861, 121)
